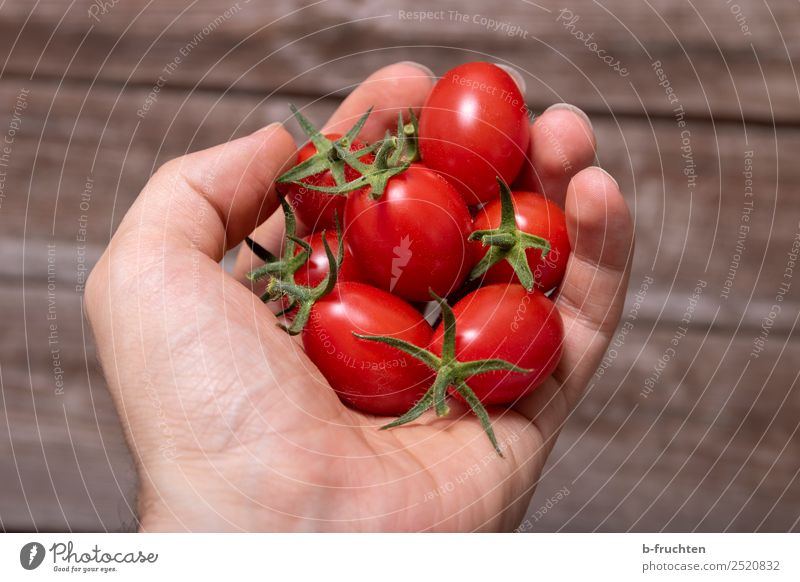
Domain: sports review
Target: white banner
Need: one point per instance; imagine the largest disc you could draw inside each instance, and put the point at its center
(400, 557)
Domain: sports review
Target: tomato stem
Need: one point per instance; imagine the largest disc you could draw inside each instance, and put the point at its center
(394, 155)
(281, 271)
(449, 372)
(327, 156)
(503, 240)
(508, 243)
(405, 141)
(286, 266)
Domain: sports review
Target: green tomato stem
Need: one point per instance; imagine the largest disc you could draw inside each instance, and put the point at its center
(449, 373)
(508, 243)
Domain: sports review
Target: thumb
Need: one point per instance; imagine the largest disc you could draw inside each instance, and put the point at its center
(211, 199)
(176, 335)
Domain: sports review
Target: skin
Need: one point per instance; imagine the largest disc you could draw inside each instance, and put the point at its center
(232, 427)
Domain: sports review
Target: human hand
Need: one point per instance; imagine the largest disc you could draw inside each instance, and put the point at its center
(233, 428)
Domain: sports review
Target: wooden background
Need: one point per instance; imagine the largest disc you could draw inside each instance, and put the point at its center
(713, 447)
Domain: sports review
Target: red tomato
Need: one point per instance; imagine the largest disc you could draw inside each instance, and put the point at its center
(413, 238)
(314, 271)
(474, 127)
(512, 324)
(535, 215)
(371, 377)
(316, 209)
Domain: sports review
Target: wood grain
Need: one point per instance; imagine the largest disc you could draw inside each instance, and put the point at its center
(712, 446)
(715, 68)
(66, 468)
(709, 435)
(684, 233)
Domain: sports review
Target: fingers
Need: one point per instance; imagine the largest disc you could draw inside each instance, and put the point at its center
(389, 90)
(592, 294)
(601, 235)
(562, 144)
(213, 198)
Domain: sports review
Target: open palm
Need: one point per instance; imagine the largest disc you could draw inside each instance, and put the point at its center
(233, 428)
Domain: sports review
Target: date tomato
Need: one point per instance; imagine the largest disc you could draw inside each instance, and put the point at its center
(535, 215)
(509, 323)
(316, 268)
(413, 238)
(473, 127)
(371, 377)
(314, 209)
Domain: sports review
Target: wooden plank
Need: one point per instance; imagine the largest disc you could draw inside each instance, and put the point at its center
(677, 416)
(66, 466)
(709, 449)
(699, 414)
(61, 157)
(90, 147)
(73, 143)
(715, 67)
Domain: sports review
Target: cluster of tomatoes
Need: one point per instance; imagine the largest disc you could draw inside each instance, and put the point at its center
(398, 226)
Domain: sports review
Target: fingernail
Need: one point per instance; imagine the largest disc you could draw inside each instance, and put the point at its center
(577, 111)
(516, 75)
(419, 66)
(610, 176)
(270, 128)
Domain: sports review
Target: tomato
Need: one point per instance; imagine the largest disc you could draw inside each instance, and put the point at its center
(473, 127)
(512, 324)
(371, 377)
(535, 215)
(414, 237)
(314, 271)
(314, 209)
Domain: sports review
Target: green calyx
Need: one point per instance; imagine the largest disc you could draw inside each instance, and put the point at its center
(281, 271)
(395, 153)
(405, 141)
(449, 372)
(328, 152)
(508, 243)
(283, 267)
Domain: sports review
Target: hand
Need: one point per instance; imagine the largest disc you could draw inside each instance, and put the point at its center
(233, 428)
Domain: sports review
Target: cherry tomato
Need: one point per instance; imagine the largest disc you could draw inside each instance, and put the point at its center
(512, 324)
(535, 215)
(314, 209)
(474, 127)
(414, 237)
(314, 271)
(371, 377)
